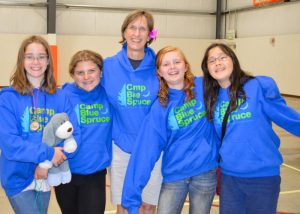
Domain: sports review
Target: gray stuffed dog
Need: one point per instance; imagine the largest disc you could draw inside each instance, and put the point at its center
(58, 129)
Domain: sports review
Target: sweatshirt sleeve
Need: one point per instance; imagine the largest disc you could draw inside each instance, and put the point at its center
(276, 108)
(73, 119)
(105, 69)
(14, 147)
(148, 147)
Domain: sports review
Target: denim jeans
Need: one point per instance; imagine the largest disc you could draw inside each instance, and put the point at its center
(30, 202)
(249, 195)
(201, 190)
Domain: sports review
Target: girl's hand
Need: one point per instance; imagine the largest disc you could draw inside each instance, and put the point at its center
(58, 156)
(40, 173)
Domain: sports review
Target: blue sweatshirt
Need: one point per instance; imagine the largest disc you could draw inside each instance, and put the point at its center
(95, 121)
(181, 131)
(250, 147)
(130, 92)
(22, 148)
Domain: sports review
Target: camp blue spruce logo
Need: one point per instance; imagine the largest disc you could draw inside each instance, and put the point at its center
(134, 95)
(92, 113)
(221, 108)
(186, 114)
(42, 116)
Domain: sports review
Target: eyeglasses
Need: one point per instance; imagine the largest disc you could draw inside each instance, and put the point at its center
(133, 28)
(213, 60)
(39, 58)
(83, 73)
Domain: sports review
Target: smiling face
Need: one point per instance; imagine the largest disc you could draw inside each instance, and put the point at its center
(172, 68)
(35, 63)
(136, 34)
(87, 75)
(220, 66)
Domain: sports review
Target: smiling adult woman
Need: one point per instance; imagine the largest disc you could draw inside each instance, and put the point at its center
(131, 85)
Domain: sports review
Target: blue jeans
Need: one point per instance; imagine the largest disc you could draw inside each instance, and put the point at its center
(201, 190)
(30, 202)
(249, 195)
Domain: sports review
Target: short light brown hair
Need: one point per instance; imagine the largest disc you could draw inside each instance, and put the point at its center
(19, 79)
(85, 55)
(188, 76)
(133, 16)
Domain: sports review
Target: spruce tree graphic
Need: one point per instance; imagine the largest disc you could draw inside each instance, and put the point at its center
(122, 96)
(172, 120)
(25, 120)
(76, 109)
(218, 114)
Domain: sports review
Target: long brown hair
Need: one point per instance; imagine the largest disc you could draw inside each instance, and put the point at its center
(19, 79)
(189, 84)
(133, 16)
(237, 79)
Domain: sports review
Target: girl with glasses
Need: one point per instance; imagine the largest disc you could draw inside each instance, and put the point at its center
(26, 107)
(249, 155)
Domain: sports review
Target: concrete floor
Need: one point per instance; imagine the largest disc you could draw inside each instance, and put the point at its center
(289, 200)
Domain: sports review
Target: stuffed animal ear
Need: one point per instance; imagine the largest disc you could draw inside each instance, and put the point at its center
(65, 116)
(48, 134)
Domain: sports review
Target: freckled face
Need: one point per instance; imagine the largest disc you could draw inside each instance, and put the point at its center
(172, 69)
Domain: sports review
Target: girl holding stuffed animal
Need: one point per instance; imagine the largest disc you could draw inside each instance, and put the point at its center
(249, 155)
(86, 191)
(25, 108)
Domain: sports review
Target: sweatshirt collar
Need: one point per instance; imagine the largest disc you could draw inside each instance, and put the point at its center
(148, 62)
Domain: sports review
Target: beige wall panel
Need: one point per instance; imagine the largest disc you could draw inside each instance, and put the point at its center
(232, 4)
(279, 60)
(81, 22)
(174, 4)
(23, 20)
(91, 22)
(199, 27)
(270, 21)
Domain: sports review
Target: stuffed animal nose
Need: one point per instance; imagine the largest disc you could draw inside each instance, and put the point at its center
(70, 129)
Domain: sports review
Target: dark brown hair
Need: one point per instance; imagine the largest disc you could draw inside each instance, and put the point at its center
(237, 79)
